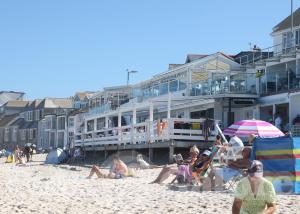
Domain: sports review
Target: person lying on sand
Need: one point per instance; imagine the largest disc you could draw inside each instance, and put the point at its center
(118, 170)
(172, 170)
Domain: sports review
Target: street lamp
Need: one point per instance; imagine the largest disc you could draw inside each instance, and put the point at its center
(128, 73)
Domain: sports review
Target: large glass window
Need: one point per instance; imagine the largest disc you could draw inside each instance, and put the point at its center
(287, 41)
(90, 125)
(61, 123)
(100, 123)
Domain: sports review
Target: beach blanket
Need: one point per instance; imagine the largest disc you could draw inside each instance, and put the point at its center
(281, 160)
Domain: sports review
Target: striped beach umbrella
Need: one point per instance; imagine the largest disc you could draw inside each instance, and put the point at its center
(244, 128)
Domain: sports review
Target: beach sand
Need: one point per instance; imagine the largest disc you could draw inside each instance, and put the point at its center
(39, 188)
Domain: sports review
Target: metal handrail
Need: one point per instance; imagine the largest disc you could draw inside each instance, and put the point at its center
(251, 58)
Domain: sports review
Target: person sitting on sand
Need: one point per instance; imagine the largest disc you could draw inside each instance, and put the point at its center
(254, 194)
(118, 170)
(172, 170)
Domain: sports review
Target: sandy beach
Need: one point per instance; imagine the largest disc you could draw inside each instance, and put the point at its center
(39, 188)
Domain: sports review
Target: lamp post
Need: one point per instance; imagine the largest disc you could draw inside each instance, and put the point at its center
(128, 73)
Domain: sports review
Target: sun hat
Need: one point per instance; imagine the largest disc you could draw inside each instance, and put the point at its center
(256, 169)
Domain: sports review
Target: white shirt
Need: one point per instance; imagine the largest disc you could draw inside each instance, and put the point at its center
(235, 141)
(278, 122)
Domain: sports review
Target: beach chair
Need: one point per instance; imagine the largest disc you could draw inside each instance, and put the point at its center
(200, 174)
(227, 178)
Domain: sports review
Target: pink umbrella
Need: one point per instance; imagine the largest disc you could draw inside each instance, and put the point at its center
(244, 128)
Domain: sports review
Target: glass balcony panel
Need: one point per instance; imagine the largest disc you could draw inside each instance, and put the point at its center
(173, 85)
(163, 88)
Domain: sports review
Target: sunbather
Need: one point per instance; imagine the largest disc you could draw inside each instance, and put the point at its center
(172, 170)
(254, 194)
(118, 170)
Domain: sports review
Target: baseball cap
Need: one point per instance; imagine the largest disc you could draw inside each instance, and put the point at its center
(256, 169)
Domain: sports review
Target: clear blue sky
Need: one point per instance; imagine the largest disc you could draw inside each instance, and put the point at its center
(57, 47)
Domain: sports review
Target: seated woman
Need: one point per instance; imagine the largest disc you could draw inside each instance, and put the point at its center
(117, 170)
(172, 170)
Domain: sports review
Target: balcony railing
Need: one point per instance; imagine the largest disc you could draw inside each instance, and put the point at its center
(242, 83)
(149, 132)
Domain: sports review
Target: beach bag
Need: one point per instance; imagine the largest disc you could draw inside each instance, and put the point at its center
(183, 174)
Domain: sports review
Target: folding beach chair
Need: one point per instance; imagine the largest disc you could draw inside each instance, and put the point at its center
(200, 173)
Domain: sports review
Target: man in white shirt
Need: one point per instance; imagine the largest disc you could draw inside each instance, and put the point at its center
(235, 146)
(278, 121)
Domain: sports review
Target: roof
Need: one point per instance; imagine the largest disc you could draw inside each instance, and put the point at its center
(172, 66)
(286, 23)
(6, 96)
(83, 95)
(17, 103)
(4, 121)
(193, 57)
(19, 122)
(57, 103)
(78, 111)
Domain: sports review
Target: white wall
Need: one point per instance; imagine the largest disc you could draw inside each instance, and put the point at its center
(294, 106)
(277, 41)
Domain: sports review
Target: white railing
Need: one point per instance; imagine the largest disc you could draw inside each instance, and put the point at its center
(149, 132)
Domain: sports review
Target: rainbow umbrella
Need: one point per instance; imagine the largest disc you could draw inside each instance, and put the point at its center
(244, 128)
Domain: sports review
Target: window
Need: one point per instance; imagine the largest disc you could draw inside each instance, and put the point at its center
(48, 122)
(23, 114)
(297, 37)
(14, 134)
(100, 123)
(6, 134)
(71, 122)
(37, 115)
(61, 123)
(90, 125)
(60, 139)
(287, 40)
(41, 113)
(29, 116)
(31, 134)
(23, 134)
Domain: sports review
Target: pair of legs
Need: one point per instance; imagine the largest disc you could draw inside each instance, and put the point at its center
(165, 173)
(96, 170)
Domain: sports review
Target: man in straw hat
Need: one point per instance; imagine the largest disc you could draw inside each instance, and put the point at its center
(254, 194)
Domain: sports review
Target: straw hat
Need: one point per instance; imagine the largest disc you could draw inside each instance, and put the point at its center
(194, 149)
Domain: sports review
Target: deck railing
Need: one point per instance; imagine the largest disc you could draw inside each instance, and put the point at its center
(150, 132)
